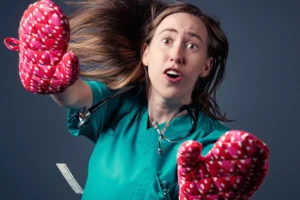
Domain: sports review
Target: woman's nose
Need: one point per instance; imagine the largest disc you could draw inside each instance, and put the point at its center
(177, 55)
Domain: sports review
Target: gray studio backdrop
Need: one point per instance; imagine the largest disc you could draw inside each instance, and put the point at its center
(260, 91)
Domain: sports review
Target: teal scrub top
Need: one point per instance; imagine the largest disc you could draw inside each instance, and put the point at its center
(125, 163)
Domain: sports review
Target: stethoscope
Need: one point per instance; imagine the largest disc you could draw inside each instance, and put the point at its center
(193, 112)
(84, 116)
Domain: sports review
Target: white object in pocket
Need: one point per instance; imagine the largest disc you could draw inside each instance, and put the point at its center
(63, 168)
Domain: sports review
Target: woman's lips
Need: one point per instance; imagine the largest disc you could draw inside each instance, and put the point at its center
(173, 80)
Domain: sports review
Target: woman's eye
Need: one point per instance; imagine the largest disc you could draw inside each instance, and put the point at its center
(166, 40)
(191, 46)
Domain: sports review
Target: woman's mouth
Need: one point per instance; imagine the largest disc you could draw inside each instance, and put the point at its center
(173, 75)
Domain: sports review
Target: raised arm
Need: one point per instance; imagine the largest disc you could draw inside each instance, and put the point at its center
(77, 95)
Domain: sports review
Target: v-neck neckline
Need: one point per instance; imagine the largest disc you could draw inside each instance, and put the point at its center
(145, 120)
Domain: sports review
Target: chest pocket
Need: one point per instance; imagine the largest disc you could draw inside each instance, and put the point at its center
(161, 181)
(157, 189)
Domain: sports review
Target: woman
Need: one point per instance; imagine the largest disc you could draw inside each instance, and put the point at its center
(182, 51)
(175, 55)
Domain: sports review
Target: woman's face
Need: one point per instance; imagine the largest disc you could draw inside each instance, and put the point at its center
(177, 56)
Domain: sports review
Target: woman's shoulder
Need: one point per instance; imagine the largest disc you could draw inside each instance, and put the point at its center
(209, 131)
(129, 95)
(134, 100)
(207, 125)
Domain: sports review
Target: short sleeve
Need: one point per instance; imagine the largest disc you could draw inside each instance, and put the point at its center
(100, 117)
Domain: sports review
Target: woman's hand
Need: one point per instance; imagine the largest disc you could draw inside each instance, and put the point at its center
(44, 65)
(233, 169)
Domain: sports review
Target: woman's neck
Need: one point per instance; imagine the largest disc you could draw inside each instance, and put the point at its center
(161, 110)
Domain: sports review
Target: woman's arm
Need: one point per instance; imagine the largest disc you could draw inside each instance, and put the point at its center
(76, 96)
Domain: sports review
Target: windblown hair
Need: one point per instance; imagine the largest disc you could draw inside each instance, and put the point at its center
(108, 38)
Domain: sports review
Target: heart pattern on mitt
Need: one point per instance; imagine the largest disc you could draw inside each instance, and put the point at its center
(234, 168)
(44, 65)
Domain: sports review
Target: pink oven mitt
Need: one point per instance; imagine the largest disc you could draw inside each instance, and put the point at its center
(233, 169)
(45, 67)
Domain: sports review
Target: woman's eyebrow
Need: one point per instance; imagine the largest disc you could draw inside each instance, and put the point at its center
(191, 34)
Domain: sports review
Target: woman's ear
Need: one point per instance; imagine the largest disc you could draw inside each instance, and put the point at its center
(207, 67)
(145, 54)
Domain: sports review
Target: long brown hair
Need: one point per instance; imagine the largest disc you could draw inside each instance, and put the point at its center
(108, 37)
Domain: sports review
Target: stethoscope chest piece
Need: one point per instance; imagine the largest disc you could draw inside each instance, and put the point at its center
(82, 116)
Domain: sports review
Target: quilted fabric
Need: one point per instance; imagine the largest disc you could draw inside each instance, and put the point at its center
(233, 169)
(44, 65)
